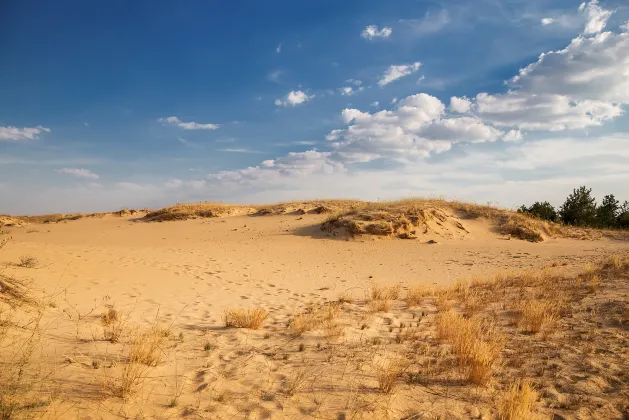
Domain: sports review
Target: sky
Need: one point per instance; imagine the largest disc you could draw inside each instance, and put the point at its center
(118, 104)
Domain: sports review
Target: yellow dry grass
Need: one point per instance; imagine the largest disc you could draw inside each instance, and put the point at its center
(388, 372)
(379, 305)
(518, 402)
(477, 347)
(245, 318)
(381, 292)
(537, 316)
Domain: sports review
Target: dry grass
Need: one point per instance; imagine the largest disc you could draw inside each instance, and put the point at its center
(332, 330)
(415, 296)
(518, 402)
(28, 261)
(245, 318)
(592, 277)
(113, 324)
(312, 318)
(380, 305)
(477, 347)
(303, 322)
(298, 379)
(209, 209)
(14, 291)
(537, 316)
(388, 371)
(190, 211)
(147, 347)
(130, 380)
(380, 292)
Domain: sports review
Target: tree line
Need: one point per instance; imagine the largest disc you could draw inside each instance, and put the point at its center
(580, 209)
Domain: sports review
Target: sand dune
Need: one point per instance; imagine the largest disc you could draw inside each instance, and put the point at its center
(182, 275)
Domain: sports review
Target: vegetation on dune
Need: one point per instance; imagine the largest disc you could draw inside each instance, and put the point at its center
(580, 209)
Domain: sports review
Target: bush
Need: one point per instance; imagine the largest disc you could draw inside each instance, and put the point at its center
(541, 210)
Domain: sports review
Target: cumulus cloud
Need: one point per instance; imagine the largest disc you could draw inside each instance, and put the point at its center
(294, 98)
(417, 127)
(596, 17)
(582, 85)
(372, 31)
(547, 21)
(187, 125)
(292, 165)
(375, 104)
(395, 72)
(26, 133)
(80, 173)
(460, 105)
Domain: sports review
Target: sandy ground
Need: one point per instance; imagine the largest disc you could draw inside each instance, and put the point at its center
(187, 273)
(197, 268)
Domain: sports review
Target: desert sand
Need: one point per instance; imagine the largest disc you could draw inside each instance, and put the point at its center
(181, 276)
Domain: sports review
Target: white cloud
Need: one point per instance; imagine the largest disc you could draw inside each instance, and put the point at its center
(294, 98)
(80, 173)
(375, 104)
(395, 72)
(460, 105)
(583, 85)
(187, 125)
(239, 150)
(178, 183)
(596, 17)
(26, 133)
(292, 165)
(417, 127)
(278, 49)
(547, 21)
(513, 136)
(349, 90)
(372, 31)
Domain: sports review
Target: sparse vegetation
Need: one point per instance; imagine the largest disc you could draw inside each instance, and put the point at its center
(388, 371)
(28, 261)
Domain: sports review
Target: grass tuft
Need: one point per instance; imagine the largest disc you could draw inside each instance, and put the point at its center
(245, 318)
(518, 402)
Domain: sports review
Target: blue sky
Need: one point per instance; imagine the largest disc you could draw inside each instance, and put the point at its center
(105, 105)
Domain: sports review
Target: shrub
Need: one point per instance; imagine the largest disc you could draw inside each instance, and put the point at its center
(541, 210)
(28, 261)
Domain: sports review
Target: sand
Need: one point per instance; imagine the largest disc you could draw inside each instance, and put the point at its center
(186, 273)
